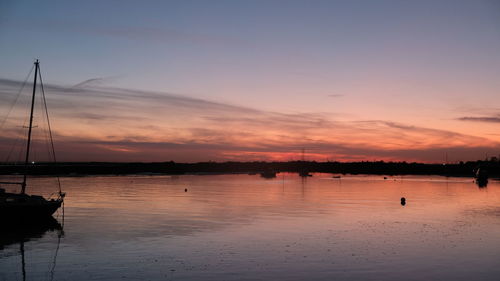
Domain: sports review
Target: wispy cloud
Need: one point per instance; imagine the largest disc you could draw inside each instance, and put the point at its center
(93, 82)
(93, 122)
(487, 119)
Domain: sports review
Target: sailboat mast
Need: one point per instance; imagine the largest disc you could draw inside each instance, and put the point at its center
(23, 186)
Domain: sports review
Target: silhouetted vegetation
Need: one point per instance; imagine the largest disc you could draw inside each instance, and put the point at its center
(379, 168)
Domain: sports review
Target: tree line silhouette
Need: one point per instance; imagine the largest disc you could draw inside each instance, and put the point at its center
(492, 165)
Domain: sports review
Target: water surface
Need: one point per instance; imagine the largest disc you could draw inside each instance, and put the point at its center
(243, 227)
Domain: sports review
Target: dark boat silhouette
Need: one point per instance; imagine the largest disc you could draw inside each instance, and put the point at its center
(268, 174)
(304, 174)
(22, 207)
(481, 177)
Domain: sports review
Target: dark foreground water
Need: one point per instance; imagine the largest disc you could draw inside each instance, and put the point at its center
(242, 227)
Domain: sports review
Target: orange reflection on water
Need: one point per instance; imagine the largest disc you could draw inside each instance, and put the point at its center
(242, 227)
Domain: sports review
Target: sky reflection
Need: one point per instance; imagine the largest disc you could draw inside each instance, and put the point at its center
(238, 227)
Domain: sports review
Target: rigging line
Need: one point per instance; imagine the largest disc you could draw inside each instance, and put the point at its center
(53, 267)
(35, 137)
(14, 147)
(20, 155)
(17, 97)
(20, 137)
(48, 125)
(44, 132)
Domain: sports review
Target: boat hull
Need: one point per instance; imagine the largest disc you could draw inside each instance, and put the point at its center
(26, 208)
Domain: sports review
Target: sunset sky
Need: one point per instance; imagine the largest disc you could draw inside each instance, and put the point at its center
(258, 80)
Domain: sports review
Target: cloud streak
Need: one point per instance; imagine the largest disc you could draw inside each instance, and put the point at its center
(97, 123)
(490, 119)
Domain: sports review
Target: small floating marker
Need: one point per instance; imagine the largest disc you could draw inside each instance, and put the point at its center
(185, 190)
(403, 201)
(385, 178)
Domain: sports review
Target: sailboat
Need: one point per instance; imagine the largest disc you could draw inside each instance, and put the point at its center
(268, 174)
(304, 172)
(481, 177)
(22, 207)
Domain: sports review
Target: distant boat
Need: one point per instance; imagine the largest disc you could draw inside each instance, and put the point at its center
(268, 174)
(305, 174)
(481, 177)
(21, 207)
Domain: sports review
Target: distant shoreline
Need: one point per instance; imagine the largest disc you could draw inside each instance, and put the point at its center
(462, 169)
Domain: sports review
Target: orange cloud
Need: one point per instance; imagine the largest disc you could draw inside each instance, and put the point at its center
(94, 123)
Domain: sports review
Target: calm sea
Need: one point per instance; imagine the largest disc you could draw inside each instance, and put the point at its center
(243, 227)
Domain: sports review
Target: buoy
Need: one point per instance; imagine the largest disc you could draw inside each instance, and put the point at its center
(185, 190)
(403, 201)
